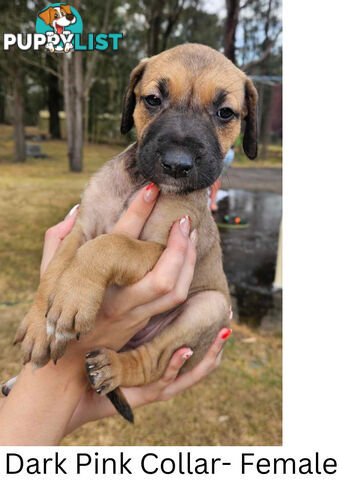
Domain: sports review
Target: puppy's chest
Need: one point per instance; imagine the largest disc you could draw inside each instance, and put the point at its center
(157, 227)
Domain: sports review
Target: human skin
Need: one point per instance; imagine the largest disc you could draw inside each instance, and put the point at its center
(56, 397)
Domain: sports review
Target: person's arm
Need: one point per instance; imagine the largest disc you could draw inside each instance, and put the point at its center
(42, 401)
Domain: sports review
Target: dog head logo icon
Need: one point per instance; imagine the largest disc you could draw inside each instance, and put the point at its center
(59, 22)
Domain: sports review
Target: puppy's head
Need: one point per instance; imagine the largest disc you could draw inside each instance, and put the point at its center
(58, 17)
(187, 104)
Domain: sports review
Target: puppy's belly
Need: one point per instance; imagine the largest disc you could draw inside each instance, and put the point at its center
(154, 327)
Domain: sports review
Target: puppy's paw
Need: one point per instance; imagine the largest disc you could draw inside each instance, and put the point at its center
(104, 369)
(72, 310)
(33, 338)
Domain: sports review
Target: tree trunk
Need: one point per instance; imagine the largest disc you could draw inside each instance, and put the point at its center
(86, 118)
(53, 106)
(154, 31)
(68, 105)
(231, 23)
(53, 99)
(18, 118)
(78, 127)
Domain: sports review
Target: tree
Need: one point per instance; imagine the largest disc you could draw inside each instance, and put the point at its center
(14, 16)
(261, 27)
(231, 23)
(54, 99)
(161, 17)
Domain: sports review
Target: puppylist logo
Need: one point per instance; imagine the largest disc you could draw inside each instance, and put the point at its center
(59, 29)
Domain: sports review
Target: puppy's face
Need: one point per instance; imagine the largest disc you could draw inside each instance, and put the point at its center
(187, 104)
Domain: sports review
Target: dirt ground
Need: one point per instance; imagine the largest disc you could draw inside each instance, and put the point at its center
(239, 404)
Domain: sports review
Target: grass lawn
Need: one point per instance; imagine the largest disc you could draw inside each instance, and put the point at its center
(239, 404)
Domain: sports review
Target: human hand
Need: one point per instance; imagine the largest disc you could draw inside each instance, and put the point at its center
(94, 407)
(128, 309)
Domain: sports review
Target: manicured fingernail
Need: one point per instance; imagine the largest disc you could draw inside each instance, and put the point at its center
(194, 237)
(187, 355)
(185, 225)
(71, 212)
(225, 333)
(150, 193)
(230, 314)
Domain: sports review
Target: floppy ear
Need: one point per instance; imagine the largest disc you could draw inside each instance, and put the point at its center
(250, 142)
(46, 15)
(67, 8)
(127, 121)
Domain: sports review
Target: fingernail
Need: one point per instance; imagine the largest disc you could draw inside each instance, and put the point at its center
(150, 193)
(230, 314)
(194, 237)
(226, 332)
(187, 355)
(185, 225)
(71, 212)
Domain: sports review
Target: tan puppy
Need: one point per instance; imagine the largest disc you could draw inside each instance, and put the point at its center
(187, 105)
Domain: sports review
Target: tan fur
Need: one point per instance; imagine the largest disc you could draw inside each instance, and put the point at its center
(73, 286)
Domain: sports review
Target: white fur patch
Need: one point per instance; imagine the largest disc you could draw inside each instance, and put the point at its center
(61, 337)
(50, 330)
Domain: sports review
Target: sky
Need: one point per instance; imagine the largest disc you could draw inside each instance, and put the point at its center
(215, 6)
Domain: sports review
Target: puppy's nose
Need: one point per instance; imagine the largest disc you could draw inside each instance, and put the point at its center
(177, 162)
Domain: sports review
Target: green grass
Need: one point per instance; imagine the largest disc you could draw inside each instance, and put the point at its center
(239, 404)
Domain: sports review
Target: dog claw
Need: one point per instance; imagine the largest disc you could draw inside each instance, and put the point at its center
(78, 336)
(90, 367)
(92, 354)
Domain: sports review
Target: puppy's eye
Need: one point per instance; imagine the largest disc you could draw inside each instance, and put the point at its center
(56, 15)
(63, 14)
(153, 100)
(225, 114)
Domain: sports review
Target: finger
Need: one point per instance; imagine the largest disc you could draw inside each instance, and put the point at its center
(177, 361)
(161, 280)
(133, 221)
(137, 396)
(54, 236)
(217, 345)
(208, 363)
(180, 291)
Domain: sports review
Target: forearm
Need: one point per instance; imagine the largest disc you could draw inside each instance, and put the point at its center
(42, 403)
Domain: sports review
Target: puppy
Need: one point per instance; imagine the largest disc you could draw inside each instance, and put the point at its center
(187, 105)
(58, 18)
